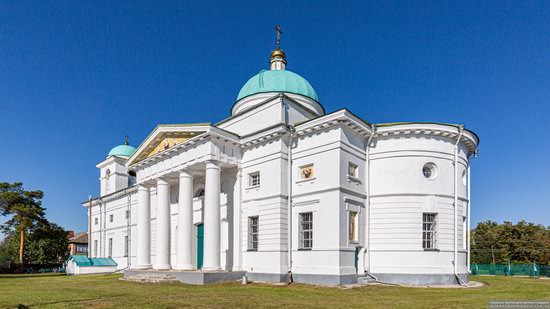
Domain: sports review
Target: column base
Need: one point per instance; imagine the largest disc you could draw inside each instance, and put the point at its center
(162, 267)
(184, 267)
(146, 266)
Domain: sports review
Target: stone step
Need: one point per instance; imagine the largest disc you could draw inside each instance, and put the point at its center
(152, 278)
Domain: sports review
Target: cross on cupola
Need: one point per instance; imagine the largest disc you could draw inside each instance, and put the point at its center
(278, 57)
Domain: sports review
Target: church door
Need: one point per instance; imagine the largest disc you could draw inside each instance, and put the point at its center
(200, 245)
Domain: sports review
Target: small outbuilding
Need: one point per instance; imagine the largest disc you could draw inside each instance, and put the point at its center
(81, 265)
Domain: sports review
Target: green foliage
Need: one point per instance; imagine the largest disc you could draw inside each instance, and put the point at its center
(29, 234)
(518, 243)
(46, 243)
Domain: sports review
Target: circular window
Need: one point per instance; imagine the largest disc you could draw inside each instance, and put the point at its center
(429, 170)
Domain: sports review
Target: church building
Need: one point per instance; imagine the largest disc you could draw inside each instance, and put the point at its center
(282, 190)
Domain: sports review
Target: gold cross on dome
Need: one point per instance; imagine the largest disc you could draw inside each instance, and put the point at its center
(279, 32)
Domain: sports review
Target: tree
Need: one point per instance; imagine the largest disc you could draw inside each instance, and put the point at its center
(25, 209)
(519, 243)
(46, 243)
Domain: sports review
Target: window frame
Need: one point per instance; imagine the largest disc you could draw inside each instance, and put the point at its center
(96, 221)
(110, 252)
(251, 179)
(356, 172)
(305, 243)
(253, 234)
(353, 229)
(430, 233)
(126, 245)
(111, 217)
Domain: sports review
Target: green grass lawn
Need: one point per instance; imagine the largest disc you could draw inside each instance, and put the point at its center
(53, 290)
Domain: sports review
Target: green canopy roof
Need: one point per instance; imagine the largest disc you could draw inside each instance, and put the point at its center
(84, 261)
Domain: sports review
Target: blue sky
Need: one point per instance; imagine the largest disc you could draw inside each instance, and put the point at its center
(75, 77)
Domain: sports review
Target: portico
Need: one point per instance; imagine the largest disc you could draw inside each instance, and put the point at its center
(168, 215)
(183, 179)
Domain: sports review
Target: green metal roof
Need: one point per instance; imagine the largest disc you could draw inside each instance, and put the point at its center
(277, 81)
(84, 261)
(122, 151)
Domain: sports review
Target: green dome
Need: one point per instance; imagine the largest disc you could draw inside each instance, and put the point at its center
(277, 81)
(122, 151)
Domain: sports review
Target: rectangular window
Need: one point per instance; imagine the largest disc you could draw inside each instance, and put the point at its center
(127, 214)
(353, 233)
(254, 179)
(95, 248)
(95, 221)
(353, 170)
(464, 233)
(429, 231)
(253, 233)
(306, 172)
(110, 247)
(110, 218)
(306, 230)
(125, 245)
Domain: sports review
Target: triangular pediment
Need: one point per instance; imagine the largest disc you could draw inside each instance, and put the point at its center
(165, 137)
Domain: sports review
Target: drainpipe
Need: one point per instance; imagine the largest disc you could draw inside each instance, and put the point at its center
(468, 218)
(291, 132)
(455, 260)
(367, 245)
(89, 226)
(129, 233)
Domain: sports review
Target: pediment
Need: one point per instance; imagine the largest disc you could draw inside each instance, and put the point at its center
(164, 137)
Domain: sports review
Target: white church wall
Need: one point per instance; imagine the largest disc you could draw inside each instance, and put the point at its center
(115, 229)
(323, 197)
(268, 203)
(400, 194)
(261, 117)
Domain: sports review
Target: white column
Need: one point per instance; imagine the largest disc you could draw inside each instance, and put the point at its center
(184, 238)
(162, 259)
(211, 259)
(143, 228)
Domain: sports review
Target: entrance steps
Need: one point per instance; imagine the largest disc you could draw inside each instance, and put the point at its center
(152, 278)
(184, 276)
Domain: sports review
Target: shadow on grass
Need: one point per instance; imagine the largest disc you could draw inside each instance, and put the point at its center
(67, 301)
(22, 276)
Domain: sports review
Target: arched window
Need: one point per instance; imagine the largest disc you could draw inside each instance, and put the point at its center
(107, 182)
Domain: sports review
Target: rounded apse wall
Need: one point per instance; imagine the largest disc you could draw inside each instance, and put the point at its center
(411, 209)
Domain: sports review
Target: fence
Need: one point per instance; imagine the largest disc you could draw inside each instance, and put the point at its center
(532, 270)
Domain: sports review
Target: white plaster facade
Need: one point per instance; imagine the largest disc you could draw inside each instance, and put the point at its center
(206, 179)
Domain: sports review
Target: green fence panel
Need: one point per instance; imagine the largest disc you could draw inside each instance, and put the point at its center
(530, 270)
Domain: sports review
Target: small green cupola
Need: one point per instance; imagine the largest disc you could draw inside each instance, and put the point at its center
(124, 150)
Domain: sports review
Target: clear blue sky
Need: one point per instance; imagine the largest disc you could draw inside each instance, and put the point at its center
(75, 77)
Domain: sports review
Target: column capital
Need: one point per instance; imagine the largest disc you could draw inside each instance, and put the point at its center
(185, 173)
(212, 164)
(161, 181)
(142, 187)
